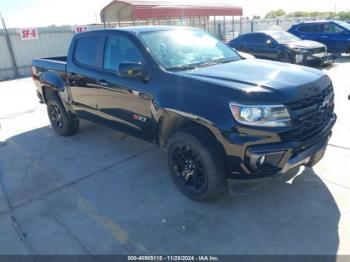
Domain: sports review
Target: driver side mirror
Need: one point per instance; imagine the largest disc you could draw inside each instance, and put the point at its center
(270, 43)
(129, 69)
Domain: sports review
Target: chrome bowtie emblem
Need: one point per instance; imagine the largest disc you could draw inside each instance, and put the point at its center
(325, 104)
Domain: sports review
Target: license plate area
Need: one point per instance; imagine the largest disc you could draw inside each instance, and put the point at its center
(323, 54)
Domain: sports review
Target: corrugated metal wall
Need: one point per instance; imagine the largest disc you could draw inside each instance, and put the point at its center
(6, 70)
(53, 41)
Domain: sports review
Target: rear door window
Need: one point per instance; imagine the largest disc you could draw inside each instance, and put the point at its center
(250, 38)
(86, 50)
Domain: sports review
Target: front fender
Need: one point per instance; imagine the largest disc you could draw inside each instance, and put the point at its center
(169, 119)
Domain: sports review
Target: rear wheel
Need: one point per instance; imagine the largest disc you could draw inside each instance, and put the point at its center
(195, 165)
(62, 122)
(285, 58)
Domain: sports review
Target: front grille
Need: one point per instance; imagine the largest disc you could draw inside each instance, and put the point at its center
(319, 50)
(311, 115)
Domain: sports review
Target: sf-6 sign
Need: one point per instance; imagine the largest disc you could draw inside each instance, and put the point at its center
(29, 34)
(80, 29)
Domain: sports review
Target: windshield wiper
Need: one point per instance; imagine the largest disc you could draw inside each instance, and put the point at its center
(181, 67)
(201, 64)
(216, 61)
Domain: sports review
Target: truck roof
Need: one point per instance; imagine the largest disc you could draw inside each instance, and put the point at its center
(318, 21)
(142, 29)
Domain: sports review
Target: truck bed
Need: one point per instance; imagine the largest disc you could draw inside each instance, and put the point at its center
(51, 63)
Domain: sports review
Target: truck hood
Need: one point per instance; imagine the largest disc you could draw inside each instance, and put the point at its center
(304, 44)
(257, 75)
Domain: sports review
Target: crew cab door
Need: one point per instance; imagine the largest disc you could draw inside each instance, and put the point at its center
(82, 75)
(122, 102)
(310, 32)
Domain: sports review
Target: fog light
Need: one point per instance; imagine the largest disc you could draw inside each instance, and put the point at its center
(299, 58)
(265, 161)
(262, 160)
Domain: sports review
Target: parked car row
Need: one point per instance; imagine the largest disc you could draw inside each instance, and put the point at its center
(316, 42)
(283, 47)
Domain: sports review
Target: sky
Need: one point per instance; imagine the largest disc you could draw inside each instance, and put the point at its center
(35, 13)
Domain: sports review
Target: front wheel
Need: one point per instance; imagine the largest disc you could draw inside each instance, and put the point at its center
(285, 58)
(195, 165)
(62, 122)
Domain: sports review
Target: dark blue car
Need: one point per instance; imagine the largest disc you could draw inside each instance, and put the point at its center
(281, 46)
(334, 34)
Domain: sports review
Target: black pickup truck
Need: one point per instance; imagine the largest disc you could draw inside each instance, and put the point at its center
(216, 116)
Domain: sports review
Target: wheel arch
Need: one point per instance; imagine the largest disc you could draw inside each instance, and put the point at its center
(288, 52)
(171, 122)
(51, 84)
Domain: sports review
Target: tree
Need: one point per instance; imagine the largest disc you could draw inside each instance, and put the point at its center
(344, 15)
(275, 13)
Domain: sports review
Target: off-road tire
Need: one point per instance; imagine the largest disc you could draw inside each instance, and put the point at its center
(206, 149)
(62, 122)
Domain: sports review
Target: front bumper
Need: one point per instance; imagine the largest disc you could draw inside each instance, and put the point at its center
(319, 59)
(278, 156)
(309, 157)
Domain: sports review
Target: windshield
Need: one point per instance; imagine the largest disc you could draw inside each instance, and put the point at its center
(283, 37)
(187, 48)
(344, 24)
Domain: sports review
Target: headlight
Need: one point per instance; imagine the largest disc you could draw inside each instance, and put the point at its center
(299, 50)
(269, 116)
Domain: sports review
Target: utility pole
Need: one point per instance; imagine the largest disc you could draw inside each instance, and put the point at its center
(8, 41)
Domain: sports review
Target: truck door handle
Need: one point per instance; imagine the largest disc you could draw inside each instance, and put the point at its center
(73, 78)
(103, 83)
(324, 36)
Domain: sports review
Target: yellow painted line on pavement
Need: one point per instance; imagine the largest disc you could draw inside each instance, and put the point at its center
(118, 232)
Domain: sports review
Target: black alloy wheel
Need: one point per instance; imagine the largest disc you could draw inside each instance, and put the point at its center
(196, 164)
(188, 167)
(64, 123)
(56, 116)
(286, 58)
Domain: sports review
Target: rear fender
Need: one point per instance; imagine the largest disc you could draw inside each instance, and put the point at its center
(53, 80)
(53, 83)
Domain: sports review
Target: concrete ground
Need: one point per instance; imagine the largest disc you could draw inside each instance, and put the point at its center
(101, 192)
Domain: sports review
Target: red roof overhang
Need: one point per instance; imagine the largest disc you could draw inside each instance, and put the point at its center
(155, 9)
(184, 11)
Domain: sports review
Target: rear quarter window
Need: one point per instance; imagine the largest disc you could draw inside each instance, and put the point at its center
(86, 50)
(249, 38)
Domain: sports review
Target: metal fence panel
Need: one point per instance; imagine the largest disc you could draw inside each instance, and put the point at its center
(6, 70)
(53, 41)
